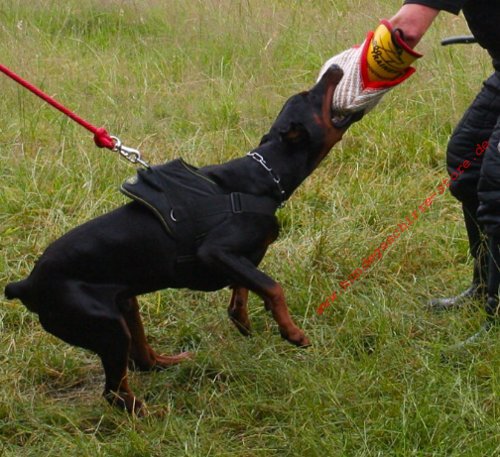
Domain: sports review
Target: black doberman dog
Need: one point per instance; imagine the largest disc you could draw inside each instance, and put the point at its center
(85, 284)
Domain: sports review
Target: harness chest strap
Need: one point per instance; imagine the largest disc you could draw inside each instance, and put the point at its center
(235, 202)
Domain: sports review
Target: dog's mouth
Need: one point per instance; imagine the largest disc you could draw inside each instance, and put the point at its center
(331, 118)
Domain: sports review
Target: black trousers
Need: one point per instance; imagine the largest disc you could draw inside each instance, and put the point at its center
(480, 124)
(473, 161)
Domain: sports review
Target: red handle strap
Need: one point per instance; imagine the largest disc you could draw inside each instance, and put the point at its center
(101, 137)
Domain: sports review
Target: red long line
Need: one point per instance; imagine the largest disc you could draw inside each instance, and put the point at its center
(101, 136)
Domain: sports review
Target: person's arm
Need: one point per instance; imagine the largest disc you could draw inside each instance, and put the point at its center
(413, 20)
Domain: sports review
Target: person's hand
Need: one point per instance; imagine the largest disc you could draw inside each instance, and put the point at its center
(382, 62)
(413, 20)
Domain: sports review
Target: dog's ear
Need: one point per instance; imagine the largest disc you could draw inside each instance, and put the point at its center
(295, 133)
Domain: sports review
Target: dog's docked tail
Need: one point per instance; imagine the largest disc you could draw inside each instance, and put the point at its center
(22, 291)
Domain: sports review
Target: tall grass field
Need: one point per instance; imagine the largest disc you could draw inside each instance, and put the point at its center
(204, 80)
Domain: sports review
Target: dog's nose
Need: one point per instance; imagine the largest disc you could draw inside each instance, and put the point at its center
(332, 75)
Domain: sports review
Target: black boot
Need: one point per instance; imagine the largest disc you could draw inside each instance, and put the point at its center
(491, 303)
(477, 291)
(478, 249)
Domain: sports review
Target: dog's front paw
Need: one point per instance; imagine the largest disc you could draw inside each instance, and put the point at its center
(296, 337)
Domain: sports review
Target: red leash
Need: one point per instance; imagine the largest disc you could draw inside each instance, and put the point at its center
(101, 137)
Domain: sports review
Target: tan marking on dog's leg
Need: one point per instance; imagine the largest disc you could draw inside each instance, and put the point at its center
(238, 310)
(114, 354)
(141, 353)
(275, 301)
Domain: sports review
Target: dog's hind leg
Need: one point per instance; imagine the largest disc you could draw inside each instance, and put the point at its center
(142, 357)
(114, 353)
(238, 310)
(86, 316)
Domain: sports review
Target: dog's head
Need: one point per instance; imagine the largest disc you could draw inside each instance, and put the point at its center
(304, 124)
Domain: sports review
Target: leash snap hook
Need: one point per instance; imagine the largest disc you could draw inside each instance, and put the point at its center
(130, 154)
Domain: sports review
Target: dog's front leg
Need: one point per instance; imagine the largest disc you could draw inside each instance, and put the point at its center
(243, 272)
(238, 310)
(142, 356)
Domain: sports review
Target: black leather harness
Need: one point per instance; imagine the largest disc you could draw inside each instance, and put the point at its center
(189, 204)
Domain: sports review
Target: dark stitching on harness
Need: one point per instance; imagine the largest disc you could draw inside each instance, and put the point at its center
(151, 207)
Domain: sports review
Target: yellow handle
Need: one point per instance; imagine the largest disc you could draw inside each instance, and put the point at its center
(388, 56)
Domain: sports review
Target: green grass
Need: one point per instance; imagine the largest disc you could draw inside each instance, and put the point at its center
(204, 80)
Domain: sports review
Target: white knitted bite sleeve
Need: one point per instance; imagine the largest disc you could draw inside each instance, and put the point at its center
(350, 95)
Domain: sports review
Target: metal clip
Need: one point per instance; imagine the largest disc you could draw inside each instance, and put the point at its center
(131, 154)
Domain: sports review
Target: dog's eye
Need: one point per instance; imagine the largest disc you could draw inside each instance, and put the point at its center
(295, 134)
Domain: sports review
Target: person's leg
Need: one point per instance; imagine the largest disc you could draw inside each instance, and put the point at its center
(469, 143)
(489, 217)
